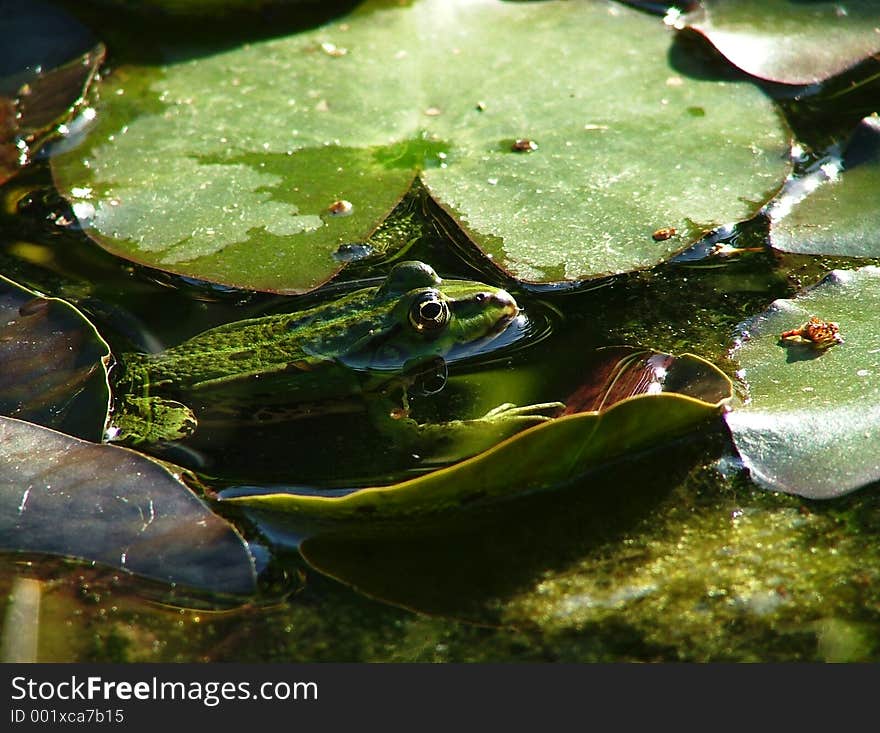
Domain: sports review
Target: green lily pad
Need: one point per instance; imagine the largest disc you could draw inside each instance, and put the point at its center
(811, 424)
(64, 496)
(545, 456)
(790, 41)
(472, 565)
(227, 167)
(54, 364)
(840, 217)
(48, 62)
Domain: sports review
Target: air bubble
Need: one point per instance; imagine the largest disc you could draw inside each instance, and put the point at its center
(352, 252)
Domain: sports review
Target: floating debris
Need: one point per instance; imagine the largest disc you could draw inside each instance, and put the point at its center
(662, 234)
(331, 49)
(524, 145)
(723, 249)
(341, 208)
(816, 332)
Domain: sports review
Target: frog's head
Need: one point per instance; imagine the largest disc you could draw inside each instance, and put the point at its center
(427, 317)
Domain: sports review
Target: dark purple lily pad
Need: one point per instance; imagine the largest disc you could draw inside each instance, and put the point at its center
(64, 496)
(54, 364)
(48, 62)
(619, 372)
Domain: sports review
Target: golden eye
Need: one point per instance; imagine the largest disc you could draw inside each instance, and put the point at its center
(429, 312)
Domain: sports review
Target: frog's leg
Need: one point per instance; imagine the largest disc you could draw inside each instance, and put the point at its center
(456, 440)
(499, 423)
(523, 414)
(459, 439)
(142, 420)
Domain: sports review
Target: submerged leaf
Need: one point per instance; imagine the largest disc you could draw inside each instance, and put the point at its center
(790, 41)
(542, 457)
(54, 364)
(811, 424)
(557, 160)
(64, 496)
(841, 216)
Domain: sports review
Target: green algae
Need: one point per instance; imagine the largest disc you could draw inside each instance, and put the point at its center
(733, 575)
(717, 572)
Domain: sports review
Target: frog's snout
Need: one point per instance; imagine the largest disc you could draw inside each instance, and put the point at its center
(505, 302)
(504, 310)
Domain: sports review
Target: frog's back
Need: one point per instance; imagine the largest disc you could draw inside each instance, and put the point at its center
(241, 352)
(374, 340)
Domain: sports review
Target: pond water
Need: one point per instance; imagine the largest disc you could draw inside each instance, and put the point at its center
(670, 554)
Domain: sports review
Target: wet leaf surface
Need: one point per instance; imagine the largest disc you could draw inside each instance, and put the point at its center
(54, 364)
(230, 167)
(811, 425)
(790, 41)
(64, 496)
(49, 60)
(840, 217)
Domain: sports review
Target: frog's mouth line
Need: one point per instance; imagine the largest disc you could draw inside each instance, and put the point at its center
(509, 329)
(497, 305)
(510, 311)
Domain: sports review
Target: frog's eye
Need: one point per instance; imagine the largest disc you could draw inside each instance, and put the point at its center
(429, 312)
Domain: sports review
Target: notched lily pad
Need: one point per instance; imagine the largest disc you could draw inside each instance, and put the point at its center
(64, 496)
(811, 423)
(790, 41)
(227, 167)
(628, 412)
(54, 364)
(841, 216)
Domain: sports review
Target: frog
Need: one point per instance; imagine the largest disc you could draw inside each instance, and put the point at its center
(373, 343)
